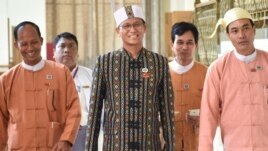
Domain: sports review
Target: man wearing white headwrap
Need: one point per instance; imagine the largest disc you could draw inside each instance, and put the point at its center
(235, 94)
(135, 86)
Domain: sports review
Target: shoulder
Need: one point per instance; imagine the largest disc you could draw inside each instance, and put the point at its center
(220, 65)
(262, 53)
(50, 63)
(155, 55)
(222, 61)
(111, 53)
(11, 71)
(56, 67)
(200, 65)
(84, 69)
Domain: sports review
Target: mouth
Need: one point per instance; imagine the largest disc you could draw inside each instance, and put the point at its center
(31, 54)
(133, 36)
(67, 57)
(242, 42)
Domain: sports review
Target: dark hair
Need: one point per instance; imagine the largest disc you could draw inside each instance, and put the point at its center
(66, 35)
(251, 22)
(181, 27)
(23, 24)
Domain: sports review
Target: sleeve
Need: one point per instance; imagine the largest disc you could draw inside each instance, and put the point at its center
(96, 104)
(73, 110)
(167, 108)
(4, 116)
(210, 110)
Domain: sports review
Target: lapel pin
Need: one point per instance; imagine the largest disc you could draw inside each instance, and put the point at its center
(49, 77)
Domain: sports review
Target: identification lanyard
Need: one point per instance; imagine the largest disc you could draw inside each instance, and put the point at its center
(75, 72)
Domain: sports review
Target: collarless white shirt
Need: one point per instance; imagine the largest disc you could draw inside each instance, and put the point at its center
(180, 69)
(246, 59)
(34, 68)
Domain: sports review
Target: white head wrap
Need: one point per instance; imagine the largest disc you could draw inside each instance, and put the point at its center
(231, 16)
(124, 13)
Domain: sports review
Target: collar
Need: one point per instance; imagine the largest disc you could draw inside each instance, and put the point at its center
(246, 59)
(74, 71)
(126, 53)
(180, 69)
(36, 67)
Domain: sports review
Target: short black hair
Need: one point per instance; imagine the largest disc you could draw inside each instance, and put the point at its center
(66, 35)
(23, 24)
(251, 22)
(181, 27)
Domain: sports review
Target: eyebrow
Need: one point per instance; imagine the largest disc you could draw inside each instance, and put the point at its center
(244, 25)
(189, 40)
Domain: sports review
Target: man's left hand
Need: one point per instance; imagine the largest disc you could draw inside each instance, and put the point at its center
(62, 146)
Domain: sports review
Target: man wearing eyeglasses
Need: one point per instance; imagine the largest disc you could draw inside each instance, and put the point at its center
(135, 86)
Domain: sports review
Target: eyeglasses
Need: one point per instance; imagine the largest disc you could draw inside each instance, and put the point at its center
(128, 26)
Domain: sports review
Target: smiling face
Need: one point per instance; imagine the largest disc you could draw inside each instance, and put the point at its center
(131, 31)
(66, 52)
(29, 44)
(184, 47)
(241, 33)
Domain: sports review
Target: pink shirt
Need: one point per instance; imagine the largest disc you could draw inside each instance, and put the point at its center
(235, 96)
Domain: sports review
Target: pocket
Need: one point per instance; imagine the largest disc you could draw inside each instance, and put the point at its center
(55, 130)
(15, 136)
(52, 104)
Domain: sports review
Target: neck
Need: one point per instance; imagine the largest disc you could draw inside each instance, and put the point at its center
(183, 62)
(246, 52)
(71, 68)
(133, 51)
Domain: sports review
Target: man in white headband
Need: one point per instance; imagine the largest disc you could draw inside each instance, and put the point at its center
(235, 95)
(135, 86)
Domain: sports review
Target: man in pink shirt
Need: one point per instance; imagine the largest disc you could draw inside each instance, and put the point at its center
(235, 95)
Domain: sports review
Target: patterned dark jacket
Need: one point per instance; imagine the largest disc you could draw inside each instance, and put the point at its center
(135, 92)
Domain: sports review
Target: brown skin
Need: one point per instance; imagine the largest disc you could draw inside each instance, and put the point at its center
(132, 39)
(62, 146)
(242, 34)
(66, 52)
(29, 44)
(184, 47)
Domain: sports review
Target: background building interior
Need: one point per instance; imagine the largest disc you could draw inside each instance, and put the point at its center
(93, 23)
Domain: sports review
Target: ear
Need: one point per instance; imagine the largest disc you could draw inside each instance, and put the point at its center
(41, 39)
(117, 30)
(145, 28)
(228, 35)
(54, 53)
(171, 44)
(16, 44)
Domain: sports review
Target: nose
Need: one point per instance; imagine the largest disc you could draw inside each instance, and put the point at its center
(30, 46)
(185, 46)
(66, 49)
(241, 33)
(132, 27)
